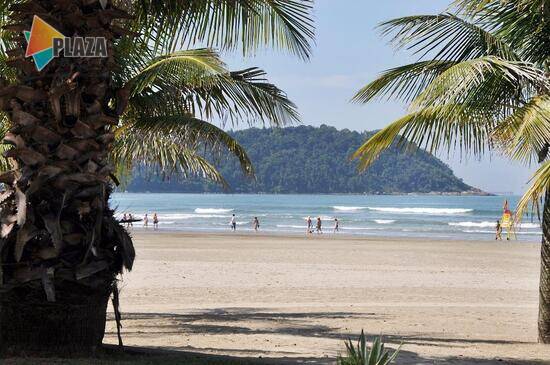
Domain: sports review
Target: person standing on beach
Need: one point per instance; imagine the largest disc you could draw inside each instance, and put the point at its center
(124, 219)
(233, 223)
(309, 228)
(155, 221)
(498, 235)
(319, 226)
(336, 225)
(145, 221)
(256, 224)
(130, 218)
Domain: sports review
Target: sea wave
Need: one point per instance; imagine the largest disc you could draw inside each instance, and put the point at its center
(289, 226)
(347, 209)
(212, 210)
(486, 224)
(421, 210)
(384, 221)
(473, 224)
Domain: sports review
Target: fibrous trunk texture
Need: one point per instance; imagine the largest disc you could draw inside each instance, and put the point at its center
(60, 246)
(544, 286)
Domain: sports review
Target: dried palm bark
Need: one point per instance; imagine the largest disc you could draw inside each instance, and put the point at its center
(60, 247)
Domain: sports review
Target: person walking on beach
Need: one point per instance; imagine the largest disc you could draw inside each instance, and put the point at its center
(256, 224)
(145, 221)
(124, 219)
(233, 223)
(130, 218)
(319, 226)
(155, 221)
(309, 227)
(498, 235)
(336, 225)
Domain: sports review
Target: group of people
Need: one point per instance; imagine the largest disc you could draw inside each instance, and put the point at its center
(309, 228)
(233, 223)
(129, 219)
(319, 226)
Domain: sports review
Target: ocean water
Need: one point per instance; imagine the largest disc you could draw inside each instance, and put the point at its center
(442, 217)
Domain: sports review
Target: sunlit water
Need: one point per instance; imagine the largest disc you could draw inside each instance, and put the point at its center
(446, 217)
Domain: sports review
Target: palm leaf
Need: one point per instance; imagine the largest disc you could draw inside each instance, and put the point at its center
(158, 154)
(527, 131)
(443, 126)
(539, 183)
(190, 133)
(226, 24)
(487, 80)
(403, 82)
(448, 36)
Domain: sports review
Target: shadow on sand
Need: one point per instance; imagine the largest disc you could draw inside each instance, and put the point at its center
(230, 321)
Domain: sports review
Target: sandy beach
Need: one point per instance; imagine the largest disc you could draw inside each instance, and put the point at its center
(298, 298)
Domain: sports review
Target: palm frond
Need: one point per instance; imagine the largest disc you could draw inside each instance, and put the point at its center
(197, 82)
(443, 126)
(447, 36)
(189, 68)
(226, 24)
(539, 186)
(160, 155)
(488, 80)
(526, 132)
(523, 24)
(403, 82)
(190, 133)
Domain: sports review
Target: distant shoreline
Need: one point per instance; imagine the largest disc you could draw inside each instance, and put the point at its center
(433, 193)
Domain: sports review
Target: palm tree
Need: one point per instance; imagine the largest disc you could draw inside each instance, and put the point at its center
(71, 127)
(481, 82)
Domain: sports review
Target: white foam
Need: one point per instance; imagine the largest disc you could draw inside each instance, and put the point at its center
(348, 209)
(212, 210)
(384, 221)
(289, 226)
(413, 210)
(484, 224)
(529, 225)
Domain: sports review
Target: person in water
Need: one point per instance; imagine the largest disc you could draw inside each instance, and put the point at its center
(319, 228)
(309, 227)
(155, 221)
(233, 223)
(256, 224)
(336, 225)
(145, 221)
(498, 234)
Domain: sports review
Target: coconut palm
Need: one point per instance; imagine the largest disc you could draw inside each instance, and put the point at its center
(481, 82)
(72, 127)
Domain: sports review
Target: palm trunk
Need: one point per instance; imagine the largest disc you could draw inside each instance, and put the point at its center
(60, 247)
(544, 286)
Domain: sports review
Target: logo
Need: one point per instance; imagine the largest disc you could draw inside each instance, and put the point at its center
(44, 43)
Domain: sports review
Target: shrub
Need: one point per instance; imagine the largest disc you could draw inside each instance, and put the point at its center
(377, 354)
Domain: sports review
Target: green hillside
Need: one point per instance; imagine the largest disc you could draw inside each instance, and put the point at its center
(307, 159)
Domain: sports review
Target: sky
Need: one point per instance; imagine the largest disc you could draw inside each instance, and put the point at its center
(348, 53)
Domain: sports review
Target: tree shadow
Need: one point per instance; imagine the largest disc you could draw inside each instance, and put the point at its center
(298, 325)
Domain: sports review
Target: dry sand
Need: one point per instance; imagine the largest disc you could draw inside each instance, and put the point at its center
(296, 297)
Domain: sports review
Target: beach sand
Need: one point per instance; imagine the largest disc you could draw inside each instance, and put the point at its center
(296, 297)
